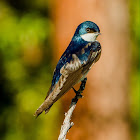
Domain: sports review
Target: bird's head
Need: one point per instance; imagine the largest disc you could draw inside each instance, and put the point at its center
(88, 31)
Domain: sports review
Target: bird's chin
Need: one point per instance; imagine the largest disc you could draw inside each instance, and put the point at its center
(90, 37)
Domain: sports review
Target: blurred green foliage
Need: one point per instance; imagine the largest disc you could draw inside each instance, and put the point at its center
(135, 69)
(25, 70)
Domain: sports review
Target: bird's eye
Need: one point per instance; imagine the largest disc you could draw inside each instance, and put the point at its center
(88, 30)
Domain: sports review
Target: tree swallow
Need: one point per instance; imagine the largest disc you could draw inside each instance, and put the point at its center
(83, 51)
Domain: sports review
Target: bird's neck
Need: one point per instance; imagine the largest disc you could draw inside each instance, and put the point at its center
(78, 41)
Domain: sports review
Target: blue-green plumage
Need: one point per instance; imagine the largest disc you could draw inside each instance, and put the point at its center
(74, 64)
(75, 46)
(67, 56)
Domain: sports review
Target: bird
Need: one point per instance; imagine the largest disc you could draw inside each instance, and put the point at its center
(76, 61)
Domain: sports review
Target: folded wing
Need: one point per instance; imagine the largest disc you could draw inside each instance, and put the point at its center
(71, 73)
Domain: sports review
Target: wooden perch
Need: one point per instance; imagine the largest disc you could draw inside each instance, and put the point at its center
(66, 123)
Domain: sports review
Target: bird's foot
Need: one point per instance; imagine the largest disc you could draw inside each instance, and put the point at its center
(78, 92)
(83, 84)
(82, 87)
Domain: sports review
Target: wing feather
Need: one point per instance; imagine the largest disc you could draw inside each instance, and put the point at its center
(71, 73)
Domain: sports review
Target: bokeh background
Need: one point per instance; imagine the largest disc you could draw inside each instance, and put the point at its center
(33, 36)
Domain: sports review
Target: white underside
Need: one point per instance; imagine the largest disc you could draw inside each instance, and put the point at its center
(89, 37)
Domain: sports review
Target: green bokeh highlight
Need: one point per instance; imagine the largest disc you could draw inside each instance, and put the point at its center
(25, 73)
(135, 69)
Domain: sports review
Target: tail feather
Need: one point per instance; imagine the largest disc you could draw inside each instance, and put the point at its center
(48, 109)
(45, 106)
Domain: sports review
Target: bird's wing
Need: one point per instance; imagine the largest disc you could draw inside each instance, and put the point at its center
(70, 74)
(73, 72)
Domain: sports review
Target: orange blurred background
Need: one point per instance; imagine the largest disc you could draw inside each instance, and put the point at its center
(103, 113)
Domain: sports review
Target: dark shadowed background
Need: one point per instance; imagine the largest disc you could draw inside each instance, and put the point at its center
(33, 36)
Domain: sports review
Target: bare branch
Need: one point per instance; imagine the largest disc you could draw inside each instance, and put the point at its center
(66, 123)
